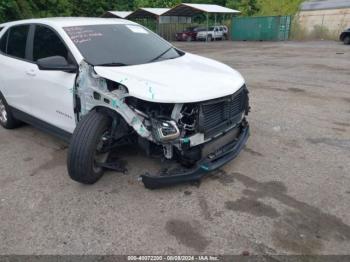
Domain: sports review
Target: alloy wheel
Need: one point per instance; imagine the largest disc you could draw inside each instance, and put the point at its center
(3, 112)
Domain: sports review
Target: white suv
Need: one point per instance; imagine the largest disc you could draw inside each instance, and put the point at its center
(213, 33)
(102, 83)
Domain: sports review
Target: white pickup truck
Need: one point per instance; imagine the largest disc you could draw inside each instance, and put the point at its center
(213, 33)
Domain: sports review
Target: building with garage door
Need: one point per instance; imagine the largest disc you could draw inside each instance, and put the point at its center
(324, 18)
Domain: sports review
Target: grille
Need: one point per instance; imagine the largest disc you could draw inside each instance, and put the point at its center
(217, 115)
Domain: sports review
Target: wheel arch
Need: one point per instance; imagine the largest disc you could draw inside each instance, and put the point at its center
(343, 35)
(107, 111)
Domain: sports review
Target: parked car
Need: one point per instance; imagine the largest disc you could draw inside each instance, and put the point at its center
(345, 37)
(189, 34)
(213, 33)
(101, 84)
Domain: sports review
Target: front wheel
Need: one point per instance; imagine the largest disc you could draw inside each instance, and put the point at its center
(85, 154)
(7, 120)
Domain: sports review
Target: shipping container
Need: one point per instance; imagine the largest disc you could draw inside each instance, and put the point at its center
(264, 28)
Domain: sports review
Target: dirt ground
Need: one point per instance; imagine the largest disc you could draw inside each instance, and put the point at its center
(287, 193)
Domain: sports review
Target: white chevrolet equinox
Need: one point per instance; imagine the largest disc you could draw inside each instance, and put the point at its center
(105, 83)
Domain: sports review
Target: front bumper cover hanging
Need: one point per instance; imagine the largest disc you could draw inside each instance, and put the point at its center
(203, 167)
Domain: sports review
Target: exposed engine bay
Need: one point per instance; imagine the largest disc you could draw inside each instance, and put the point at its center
(179, 131)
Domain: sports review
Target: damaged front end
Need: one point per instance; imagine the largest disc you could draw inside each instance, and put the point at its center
(201, 136)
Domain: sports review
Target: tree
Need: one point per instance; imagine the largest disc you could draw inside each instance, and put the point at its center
(156, 3)
(98, 7)
(247, 7)
(20, 9)
(47, 8)
(16, 9)
(281, 7)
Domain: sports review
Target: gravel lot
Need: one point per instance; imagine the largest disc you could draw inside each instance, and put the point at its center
(288, 192)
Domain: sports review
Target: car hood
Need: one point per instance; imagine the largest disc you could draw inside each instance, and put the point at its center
(189, 78)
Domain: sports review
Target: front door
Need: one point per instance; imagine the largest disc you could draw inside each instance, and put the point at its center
(51, 91)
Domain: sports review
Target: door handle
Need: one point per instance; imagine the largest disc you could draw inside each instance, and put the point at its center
(31, 72)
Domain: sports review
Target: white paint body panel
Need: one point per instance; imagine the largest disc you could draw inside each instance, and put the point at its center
(187, 79)
(51, 96)
(48, 95)
(14, 83)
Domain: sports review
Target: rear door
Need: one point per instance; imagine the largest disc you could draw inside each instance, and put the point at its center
(14, 63)
(51, 91)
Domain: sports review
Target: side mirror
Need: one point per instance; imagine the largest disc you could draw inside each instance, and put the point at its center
(56, 63)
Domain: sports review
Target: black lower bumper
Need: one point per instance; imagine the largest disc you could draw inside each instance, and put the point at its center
(203, 167)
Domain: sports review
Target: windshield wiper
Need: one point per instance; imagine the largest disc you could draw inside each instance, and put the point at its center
(166, 51)
(112, 64)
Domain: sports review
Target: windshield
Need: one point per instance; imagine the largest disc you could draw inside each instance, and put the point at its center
(119, 44)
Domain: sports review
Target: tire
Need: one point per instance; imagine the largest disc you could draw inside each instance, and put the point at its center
(81, 160)
(210, 38)
(188, 38)
(7, 120)
(347, 40)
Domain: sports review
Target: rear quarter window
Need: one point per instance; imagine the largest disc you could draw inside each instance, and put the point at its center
(17, 39)
(3, 42)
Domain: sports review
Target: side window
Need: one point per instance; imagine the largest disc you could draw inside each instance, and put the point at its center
(3, 42)
(47, 43)
(17, 41)
(1, 28)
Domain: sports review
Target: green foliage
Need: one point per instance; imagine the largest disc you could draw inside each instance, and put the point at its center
(47, 8)
(298, 32)
(98, 7)
(247, 7)
(156, 3)
(320, 32)
(278, 7)
(20, 9)
(5, 7)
